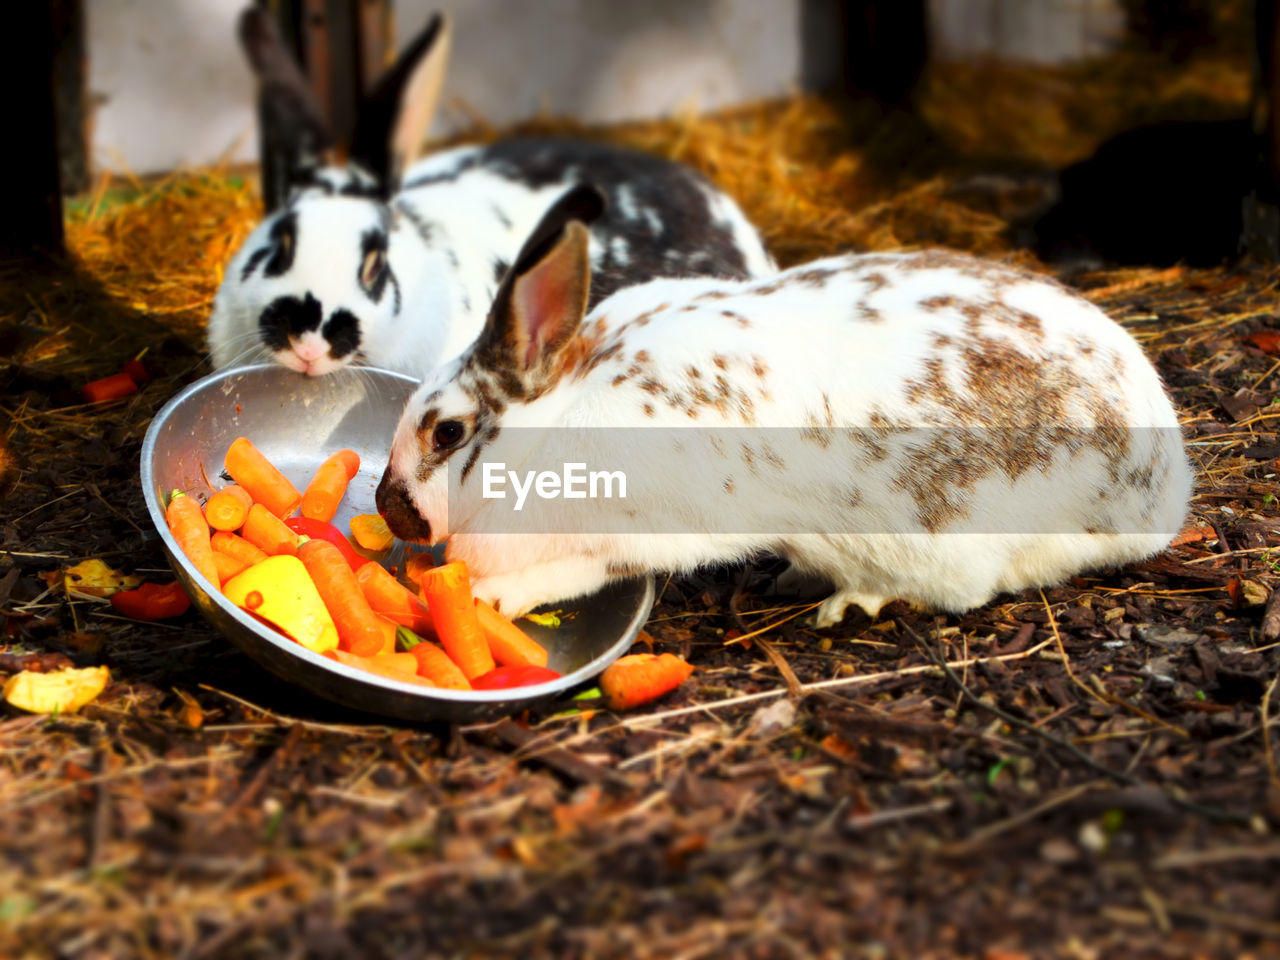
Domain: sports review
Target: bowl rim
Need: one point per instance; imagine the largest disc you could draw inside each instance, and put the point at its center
(176, 556)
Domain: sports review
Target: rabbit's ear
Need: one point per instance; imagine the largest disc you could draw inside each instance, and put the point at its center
(543, 298)
(293, 120)
(393, 118)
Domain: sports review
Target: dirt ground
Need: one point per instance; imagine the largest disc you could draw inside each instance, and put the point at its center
(1087, 772)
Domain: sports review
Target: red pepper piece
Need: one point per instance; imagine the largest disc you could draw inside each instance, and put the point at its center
(136, 372)
(152, 601)
(320, 530)
(503, 678)
(114, 387)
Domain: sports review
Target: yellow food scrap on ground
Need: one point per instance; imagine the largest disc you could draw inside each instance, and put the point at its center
(58, 691)
(372, 532)
(280, 590)
(93, 578)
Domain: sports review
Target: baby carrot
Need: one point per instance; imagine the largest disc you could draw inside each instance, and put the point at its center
(186, 523)
(435, 665)
(226, 509)
(267, 532)
(389, 633)
(372, 532)
(509, 645)
(329, 485)
(640, 677)
(397, 666)
(237, 547)
(267, 485)
(447, 590)
(391, 600)
(416, 564)
(109, 388)
(228, 566)
(358, 626)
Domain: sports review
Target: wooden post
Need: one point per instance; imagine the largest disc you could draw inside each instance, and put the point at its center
(1262, 206)
(32, 222)
(885, 48)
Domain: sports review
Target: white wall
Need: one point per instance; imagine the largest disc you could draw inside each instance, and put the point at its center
(602, 60)
(173, 87)
(175, 90)
(1034, 31)
(170, 82)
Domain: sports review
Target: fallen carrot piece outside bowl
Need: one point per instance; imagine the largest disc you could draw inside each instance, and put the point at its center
(297, 423)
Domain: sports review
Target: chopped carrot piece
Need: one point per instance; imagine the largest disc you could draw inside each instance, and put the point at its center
(393, 666)
(186, 523)
(227, 508)
(509, 645)
(372, 532)
(329, 485)
(447, 590)
(390, 631)
(640, 677)
(436, 666)
(268, 533)
(416, 564)
(391, 600)
(238, 547)
(267, 485)
(114, 387)
(228, 566)
(358, 626)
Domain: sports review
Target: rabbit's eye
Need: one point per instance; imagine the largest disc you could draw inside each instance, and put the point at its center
(374, 263)
(447, 435)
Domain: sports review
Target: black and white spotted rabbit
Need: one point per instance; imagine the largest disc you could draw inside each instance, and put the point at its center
(394, 263)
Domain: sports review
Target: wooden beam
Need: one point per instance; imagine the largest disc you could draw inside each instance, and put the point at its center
(32, 222)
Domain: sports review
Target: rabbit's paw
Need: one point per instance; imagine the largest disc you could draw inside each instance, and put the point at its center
(516, 593)
(831, 611)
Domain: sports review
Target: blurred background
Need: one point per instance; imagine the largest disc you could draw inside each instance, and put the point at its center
(1133, 130)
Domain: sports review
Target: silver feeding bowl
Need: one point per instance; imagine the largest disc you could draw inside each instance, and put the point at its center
(297, 422)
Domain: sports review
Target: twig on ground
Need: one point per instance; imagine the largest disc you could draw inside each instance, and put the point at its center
(1209, 813)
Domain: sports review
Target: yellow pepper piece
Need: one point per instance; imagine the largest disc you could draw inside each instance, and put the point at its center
(280, 590)
(58, 691)
(372, 532)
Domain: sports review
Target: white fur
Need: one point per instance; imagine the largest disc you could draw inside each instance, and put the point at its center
(839, 351)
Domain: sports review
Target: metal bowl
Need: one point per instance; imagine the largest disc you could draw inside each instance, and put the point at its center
(297, 422)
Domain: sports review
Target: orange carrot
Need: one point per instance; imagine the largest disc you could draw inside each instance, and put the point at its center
(640, 677)
(237, 547)
(435, 665)
(186, 523)
(267, 532)
(447, 590)
(389, 633)
(372, 532)
(395, 665)
(358, 626)
(267, 485)
(509, 645)
(391, 600)
(228, 566)
(329, 485)
(416, 564)
(114, 387)
(226, 509)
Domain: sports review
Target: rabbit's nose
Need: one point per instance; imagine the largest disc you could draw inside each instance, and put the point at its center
(311, 346)
(398, 510)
